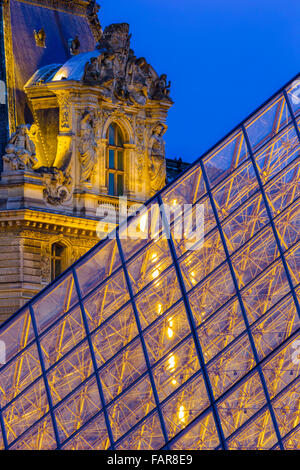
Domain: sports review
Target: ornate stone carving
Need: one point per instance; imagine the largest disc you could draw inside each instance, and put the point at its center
(45, 263)
(162, 89)
(40, 37)
(20, 151)
(92, 15)
(157, 162)
(57, 185)
(87, 147)
(74, 45)
(64, 110)
(120, 73)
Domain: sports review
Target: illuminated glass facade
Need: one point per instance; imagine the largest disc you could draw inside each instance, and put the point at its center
(148, 344)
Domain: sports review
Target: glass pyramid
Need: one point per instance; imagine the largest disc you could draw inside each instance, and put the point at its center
(145, 343)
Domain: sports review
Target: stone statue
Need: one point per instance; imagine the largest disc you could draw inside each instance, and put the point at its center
(40, 37)
(157, 161)
(74, 45)
(161, 88)
(87, 147)
(91, 71)
(20, 151)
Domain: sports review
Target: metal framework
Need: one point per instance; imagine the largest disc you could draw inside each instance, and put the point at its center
(147, 344)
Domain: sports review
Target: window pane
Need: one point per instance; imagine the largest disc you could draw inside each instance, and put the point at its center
(120, 185)
(111, 159)
(147, 436)
(120, 160)
(111, 135)
(119, 138)
(111, 184)
(94, 436)
(201, 436)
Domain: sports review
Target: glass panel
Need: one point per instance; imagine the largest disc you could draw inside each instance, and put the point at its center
(284, 188)
(98, 266)
(255, 256)
(259, 434)
(157, 298)
(77, 409)
(92, 437)
(223, 160)
(185, 406)
(119, 138)
(63, 337)
(288, 225)
(245, 222)
(220, 330)
(131, 408)
(114, 335)
(70, 372)
(59, 299)
(235, 190)
(292, 442)
(147, 436)
(25, 411)
(107, 300)
(176, 369)
(149, 265)
(111, 159)
(241, 404)
(120, 185)
(111, 184)
(200, 436)
(275, 327)
(265, 291)
(199, 263)
(267, 122)
(124, 369)
(293, 92)
(286, 408)
(276, 155)
(231, 366)
(16, 335)
(18, 374)
(283, 367)
(293, 261)
(40, 437)
(187, 190)
(120, 160)
(145, 227)
(166, 333)
(111, 135)
(211, 294)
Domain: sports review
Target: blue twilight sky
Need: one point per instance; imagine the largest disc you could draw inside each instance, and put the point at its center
(223, 57)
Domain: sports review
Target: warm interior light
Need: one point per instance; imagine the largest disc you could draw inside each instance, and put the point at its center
(154, 257)
(159, 309)
(170, 333)
(174, 382)
(143, 222)
(171, 363)
(174, 202)
(155, 273)
(181, 413)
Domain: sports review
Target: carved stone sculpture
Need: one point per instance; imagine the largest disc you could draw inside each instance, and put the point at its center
(20, 151)
(157, 161)
(87, 147)
(122, 75)
(57, 185)
(40, 37)
(162, 89)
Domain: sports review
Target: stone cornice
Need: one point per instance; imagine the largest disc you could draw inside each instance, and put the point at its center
(31, 219)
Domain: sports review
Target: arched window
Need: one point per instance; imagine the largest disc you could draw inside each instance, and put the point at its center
(58, 259)
(115, 161)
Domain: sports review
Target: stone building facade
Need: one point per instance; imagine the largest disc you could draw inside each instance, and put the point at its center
(82, 125)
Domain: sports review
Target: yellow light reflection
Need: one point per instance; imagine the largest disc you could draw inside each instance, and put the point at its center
(181, 414)
(171, 363)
